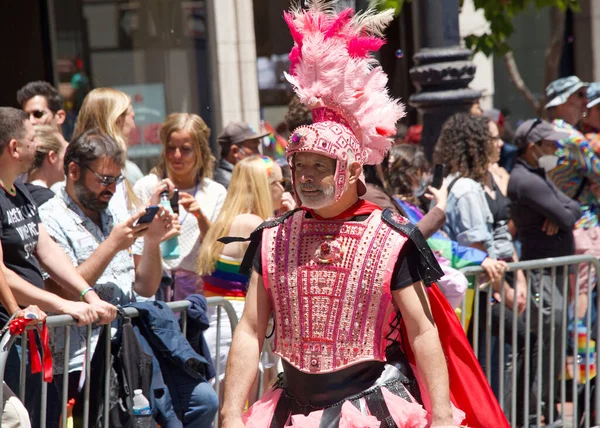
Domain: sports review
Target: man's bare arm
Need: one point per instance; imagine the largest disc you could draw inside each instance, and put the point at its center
(424, 339)
(61, 269)
(242, 363)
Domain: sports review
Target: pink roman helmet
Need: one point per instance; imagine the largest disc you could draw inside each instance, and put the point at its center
(334, 73)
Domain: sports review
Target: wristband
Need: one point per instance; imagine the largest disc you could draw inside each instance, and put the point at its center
(196, 214)
(84, 292)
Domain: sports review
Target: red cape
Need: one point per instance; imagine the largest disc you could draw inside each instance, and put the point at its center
(469, 389)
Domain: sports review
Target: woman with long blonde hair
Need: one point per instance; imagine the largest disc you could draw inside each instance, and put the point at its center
(255, 189)
(187, 162)
(110, 111)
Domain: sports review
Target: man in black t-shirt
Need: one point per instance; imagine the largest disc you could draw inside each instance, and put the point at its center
(26, 244)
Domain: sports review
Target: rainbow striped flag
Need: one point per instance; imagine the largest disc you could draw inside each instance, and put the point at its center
(277, 142)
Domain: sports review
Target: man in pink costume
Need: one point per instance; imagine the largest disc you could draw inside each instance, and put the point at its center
(340, 276)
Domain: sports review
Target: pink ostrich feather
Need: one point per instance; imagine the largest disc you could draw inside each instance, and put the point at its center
(361, 47)
(332, 66)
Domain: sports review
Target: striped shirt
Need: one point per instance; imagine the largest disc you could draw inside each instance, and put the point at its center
(578, 157)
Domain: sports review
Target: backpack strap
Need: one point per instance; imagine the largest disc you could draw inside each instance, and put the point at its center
(452, 183)
(255, 239)
(429, 268)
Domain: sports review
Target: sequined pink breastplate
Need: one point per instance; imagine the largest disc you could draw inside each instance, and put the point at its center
(329, 283)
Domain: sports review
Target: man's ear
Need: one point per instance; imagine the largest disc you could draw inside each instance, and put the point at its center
(13, 148)
(235, 152)
(73, 171)
(354, 172)
(60, 115)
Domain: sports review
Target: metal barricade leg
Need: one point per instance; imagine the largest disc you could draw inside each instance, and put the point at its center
(563, 360)
(88, 372)
(107, 367)
(501, 347)
(43, 408)
(65, 385)
(574, 339)
(540, 345)
(218, 362)
(588, 323)
(527, 357)
(23, 371)
(475, 317)
(551, 405)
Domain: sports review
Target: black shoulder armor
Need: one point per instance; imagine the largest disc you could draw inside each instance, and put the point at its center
(428, 266)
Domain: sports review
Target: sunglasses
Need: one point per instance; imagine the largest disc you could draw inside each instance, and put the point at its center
(106, 180)
(38, 114)
(533, 125)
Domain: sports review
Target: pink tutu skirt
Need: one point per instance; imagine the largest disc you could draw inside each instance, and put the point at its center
(404, 413)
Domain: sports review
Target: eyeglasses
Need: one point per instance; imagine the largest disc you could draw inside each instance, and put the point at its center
(107, 180)
(185, 152)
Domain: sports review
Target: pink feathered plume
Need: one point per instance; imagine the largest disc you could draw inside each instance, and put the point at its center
(342, 20)
(332, 66)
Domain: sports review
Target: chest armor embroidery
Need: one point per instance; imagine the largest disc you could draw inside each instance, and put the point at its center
(329, 282)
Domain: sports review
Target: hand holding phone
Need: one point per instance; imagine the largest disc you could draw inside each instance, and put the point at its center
(148, 215)
(438, 176)
(175, 201)
(439, 196)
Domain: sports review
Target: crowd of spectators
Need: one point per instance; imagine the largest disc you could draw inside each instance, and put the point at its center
(72, 243)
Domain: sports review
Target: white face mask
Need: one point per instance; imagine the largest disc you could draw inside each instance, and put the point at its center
(548, 162)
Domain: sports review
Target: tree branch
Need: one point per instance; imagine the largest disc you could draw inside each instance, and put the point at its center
(515, 77)
(553, 52)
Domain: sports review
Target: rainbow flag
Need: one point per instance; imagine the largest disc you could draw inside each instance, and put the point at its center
(277, 142)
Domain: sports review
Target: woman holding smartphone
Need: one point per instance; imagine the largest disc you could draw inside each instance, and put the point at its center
(187, 162)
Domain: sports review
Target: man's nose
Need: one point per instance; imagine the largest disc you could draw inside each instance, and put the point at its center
(305, 178)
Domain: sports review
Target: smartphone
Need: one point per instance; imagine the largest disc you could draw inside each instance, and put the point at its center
(438, 176)
(148, 215)
(175, 201)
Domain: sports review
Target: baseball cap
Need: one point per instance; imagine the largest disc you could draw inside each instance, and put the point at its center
(558, 91)
(593, 94)
(238, 132)
(536, 130)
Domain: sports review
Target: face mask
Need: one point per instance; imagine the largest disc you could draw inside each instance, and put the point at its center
(548, 162)
(420, 191)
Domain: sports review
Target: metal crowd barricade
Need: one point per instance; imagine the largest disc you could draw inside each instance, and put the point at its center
(57, 321)
(562, 276)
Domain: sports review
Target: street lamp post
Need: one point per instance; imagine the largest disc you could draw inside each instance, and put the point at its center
(443, 69)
